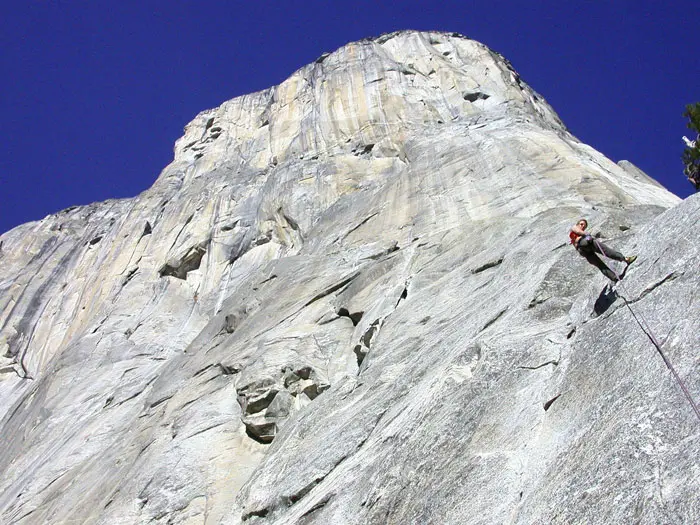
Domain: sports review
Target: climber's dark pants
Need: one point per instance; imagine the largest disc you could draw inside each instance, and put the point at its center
(589, 248)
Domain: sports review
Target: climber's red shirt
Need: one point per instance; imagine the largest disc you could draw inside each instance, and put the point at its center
(574, 238)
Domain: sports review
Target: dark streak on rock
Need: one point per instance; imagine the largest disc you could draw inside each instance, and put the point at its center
(549, 403)
(321, 503)
(333, 288)
(403, 296)
(363, 221)
(161, 400)
(129, 276)
(272, 277)
(145, 447)
(205, 430)
(496, 318)
(488, 265)
(670, 277)
(136, 394)
(260, 513)
(202, 370)
(552, 362)
(228, 370)
(291, 500)
(360, 354)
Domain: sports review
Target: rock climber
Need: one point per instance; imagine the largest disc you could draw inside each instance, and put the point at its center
(589, 247)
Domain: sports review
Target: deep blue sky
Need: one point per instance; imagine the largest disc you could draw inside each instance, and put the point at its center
(96, 93)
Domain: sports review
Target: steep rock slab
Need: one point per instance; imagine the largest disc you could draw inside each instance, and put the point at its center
(348, 299)
(509, 419)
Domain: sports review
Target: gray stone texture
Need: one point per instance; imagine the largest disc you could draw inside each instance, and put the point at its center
(350, 299)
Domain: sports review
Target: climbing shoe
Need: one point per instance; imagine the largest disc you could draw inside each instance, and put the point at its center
(630, 259)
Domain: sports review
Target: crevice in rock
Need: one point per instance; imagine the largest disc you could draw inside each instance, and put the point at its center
(130, 331)
(22, 366)
(360, 353)
(290, 500)
(391, 249)
(272, 277)
(487, 266)
(230, 226)
(294, 498)
(230, 322)
(145, 447)
(187, 263)
(147, 230)
(670, 277)
(26, 514)
(363, 221)
(202, 370)
(260, 513)
(476, 95)
(321, 503)
(228, 370)
(363, 150)
(290, 221)
(129, 276)
(536, 301)
(551, 362)
(571, 333)
(161, 400)
(138, 393)
(403, 296)
(204, 430)
(187, 221)
(496, 318)
(369, 334)
(94, 241)
(548, 404)
(355, 317)
(333, 288)
(53, 481)
(99, 326)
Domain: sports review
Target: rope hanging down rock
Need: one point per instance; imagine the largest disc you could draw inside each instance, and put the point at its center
(650, 334)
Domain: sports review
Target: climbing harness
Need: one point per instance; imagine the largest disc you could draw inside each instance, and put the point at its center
(647, 330)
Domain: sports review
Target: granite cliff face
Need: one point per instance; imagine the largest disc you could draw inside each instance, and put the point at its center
(349, 299)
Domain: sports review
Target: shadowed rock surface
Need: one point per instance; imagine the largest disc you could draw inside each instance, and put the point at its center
(349, 299)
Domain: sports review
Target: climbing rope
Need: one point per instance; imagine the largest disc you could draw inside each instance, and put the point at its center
(650, 334)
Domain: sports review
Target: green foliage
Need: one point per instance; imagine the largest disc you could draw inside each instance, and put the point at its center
(691, 154)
